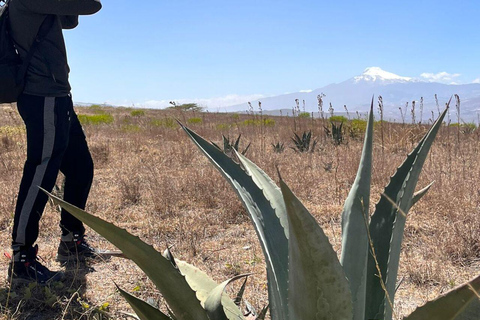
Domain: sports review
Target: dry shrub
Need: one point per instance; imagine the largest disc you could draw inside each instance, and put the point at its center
(100, 153)
(162, 193)
(7, 143)
(130, 190)
(423, 271)
(462, 242)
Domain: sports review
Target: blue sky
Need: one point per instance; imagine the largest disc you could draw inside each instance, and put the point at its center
(145, 53)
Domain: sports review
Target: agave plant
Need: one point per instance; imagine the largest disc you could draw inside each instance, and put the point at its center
(278, 147)
(231, 145)
(304, 143)
(306, 280)
(336, 133)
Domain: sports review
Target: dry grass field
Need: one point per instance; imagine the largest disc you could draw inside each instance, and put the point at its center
(153, 181)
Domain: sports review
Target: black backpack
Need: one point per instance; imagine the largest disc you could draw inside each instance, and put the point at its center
(12, 68)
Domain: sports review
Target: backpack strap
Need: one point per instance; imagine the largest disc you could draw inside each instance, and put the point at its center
(42, 33)
(4, 6)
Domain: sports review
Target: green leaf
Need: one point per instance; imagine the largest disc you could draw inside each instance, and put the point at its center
(277, 287)
(471, 311)
(420, 193)
(318, 288)
(266, 214)
(263, 313)
(238, 299)
(387, 225)
(143, 310)
(173, 286)
(235, 146)
(405, 202)
(28, 294)
(457, 304)
(214, 303)
(354, 226)
(203, 286)
(380, 228)
(270, 190)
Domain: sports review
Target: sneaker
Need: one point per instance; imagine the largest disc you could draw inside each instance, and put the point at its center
(25, 268)
(74, 247)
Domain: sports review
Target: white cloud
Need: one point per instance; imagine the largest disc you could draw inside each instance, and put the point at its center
(442, 77)
(476, 80)
(306, 90)
(212, 104)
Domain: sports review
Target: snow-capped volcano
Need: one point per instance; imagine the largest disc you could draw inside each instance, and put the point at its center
(356, 94)
(376, 74)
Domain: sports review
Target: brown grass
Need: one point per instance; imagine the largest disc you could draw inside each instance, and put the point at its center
(151, 180)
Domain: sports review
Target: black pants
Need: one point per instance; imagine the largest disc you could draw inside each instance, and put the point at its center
(55, 141)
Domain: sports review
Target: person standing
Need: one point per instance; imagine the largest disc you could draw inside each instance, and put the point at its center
(55, 139)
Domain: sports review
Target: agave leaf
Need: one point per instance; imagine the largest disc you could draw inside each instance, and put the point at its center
(297, 140)
(263, 313)
(173, 286)
(143, 310)
(318, 288)
(270, 190)
(405, 201)
(216, 145)
(354, 226)
(246, 149)
(380, 228)
(203, 286)
(214, 303)
(237, 142)
(471, 311)
(167, 254)
(226, 143)
(265, 218)
(249, 309)
(420, 193)
(170, 314)
(239, 297)
(454, 305)
(387, 227)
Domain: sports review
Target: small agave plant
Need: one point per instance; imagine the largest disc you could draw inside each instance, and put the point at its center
(306, 280)
(230, 145)
(278, 147)
(302, 144)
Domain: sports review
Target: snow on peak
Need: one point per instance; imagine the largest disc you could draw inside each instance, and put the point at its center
(374, 74)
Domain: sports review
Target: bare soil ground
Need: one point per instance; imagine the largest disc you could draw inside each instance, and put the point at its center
(151, 180)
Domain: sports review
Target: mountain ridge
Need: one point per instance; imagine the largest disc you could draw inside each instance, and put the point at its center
(396, 91)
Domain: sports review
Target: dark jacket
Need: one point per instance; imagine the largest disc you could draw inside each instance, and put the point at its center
(47, 73)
